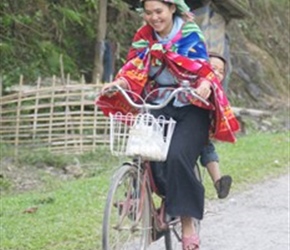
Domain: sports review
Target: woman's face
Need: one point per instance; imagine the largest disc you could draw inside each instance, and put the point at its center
(218, 66)
(159, 15)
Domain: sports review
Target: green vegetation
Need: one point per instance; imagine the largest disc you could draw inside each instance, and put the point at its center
(260, 52)
(254, 158)
(71, 220)
(68, 214)
(34, 34)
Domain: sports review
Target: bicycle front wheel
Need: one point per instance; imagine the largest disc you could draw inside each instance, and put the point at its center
(127, 219)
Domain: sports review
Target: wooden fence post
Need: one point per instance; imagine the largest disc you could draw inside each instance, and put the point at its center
(18, 113)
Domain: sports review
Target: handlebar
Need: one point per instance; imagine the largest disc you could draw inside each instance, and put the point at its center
(185, 88)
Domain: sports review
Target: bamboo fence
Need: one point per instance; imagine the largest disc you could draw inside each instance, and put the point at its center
(61, 117)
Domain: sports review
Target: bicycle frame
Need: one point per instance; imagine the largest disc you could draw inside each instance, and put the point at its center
(147, 182)
(137, 202)
(160, 224)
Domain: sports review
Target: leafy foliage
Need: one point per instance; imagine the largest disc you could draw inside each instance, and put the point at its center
(35, 33)
(266, 28)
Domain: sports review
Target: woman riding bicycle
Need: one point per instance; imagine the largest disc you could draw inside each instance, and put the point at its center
(165, 51)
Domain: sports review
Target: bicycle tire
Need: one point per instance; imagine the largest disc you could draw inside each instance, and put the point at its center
(197, 172)
(199, 177)
(121, 228)
(168, 240)
(172, 237)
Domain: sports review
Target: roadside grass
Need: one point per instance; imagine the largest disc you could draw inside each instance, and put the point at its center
(71, 219)
(68, 215)
(254, 158)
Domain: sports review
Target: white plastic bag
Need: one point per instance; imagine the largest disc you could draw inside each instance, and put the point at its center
(146, 139)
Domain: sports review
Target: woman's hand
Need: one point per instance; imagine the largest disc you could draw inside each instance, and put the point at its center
(204, 90)
(110, 89)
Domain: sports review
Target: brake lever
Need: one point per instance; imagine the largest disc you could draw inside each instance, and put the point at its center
(186, 84)
(109, 91)
(192, 92)
(112, 90)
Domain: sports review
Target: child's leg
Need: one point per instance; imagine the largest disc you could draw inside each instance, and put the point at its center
(210, 160)
(213, 170)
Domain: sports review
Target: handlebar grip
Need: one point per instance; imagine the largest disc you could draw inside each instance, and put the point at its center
(111, 90)
(192, 92)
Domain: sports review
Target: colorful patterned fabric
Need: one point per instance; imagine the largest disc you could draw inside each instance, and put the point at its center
(186, 58)
(180, 4)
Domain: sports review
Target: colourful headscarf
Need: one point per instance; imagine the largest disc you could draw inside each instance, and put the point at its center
(181, 6)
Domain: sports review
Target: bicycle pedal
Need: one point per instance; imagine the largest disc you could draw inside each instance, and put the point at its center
(173, 221)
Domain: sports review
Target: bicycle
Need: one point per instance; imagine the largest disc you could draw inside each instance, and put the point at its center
(134, 214)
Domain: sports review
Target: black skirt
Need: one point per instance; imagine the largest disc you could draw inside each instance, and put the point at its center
(175, 178)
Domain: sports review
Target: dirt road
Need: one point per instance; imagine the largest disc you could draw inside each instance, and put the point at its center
(256, 219)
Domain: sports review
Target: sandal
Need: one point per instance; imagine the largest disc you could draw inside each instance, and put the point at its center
(223, 186)
(190, 242)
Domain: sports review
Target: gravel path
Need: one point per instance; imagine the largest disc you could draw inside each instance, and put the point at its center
(256, 219)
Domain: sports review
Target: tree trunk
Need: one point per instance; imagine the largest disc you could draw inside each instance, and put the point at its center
(100, 39)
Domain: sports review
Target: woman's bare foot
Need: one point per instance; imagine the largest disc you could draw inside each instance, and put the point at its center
(187, 226)
(190, 240)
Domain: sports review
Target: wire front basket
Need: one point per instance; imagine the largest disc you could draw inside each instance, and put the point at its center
(140, 135)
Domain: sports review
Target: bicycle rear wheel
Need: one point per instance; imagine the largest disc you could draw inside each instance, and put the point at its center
(127, 217)
(172, 237)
